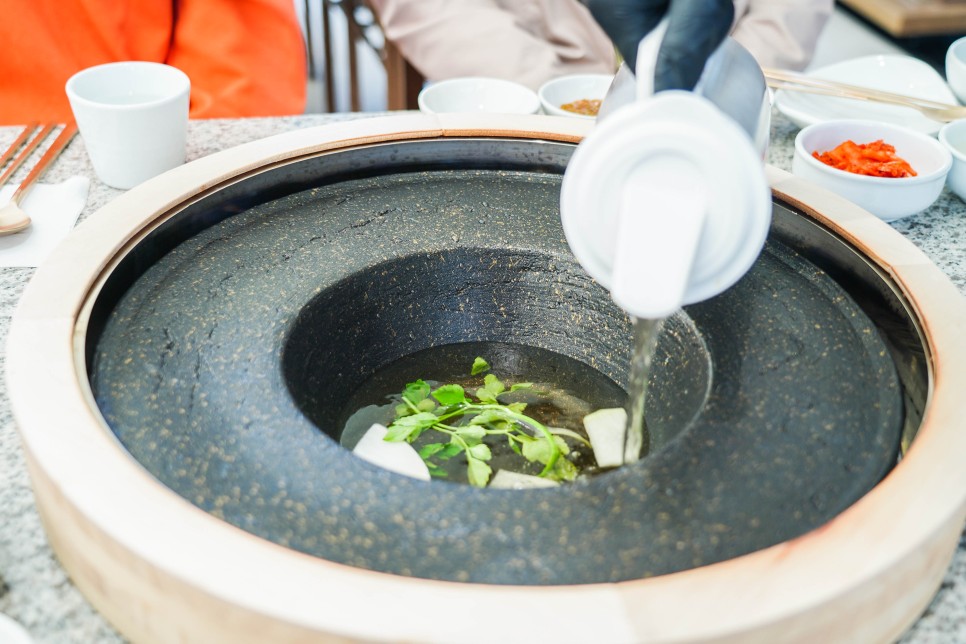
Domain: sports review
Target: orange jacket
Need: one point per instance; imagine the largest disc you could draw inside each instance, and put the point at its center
(244, 57)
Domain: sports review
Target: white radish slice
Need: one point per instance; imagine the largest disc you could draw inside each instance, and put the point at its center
(606, 429)
(516, 481)
(399, 457)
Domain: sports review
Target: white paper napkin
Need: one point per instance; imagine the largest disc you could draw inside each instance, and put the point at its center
(53, 209)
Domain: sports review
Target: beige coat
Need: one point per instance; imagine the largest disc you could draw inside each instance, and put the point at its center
(531, 41)
(781, 33)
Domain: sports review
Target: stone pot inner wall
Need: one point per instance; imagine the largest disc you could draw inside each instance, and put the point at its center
(381, 314)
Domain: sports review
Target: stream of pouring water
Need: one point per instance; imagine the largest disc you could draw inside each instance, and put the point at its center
(638, 438)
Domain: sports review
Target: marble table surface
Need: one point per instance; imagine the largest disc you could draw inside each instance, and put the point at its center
(36, 591)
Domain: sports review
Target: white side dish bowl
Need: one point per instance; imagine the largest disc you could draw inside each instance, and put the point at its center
(898, 74)
(493, 95)
(573, 87)
(886, 197)
(953, 136)
(956, 68)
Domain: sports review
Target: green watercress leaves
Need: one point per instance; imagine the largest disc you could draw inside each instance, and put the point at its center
(479, 366)
(452, 412)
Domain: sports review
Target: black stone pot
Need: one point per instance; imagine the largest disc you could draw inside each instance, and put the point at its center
(225, 346)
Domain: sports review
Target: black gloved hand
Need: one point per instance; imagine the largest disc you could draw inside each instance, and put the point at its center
(695, 29)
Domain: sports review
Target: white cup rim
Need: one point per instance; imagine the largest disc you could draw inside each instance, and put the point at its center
(182, 80)
(944, 134)
(958, 49)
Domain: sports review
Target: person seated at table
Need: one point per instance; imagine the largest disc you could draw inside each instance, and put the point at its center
(532, 41)
(244, 57)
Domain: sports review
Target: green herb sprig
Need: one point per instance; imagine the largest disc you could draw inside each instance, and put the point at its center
(466, 423)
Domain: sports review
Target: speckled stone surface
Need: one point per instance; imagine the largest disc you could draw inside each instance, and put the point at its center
(367, 271)
(35, 590)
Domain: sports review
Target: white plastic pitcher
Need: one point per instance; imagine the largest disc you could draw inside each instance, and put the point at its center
(665, 202)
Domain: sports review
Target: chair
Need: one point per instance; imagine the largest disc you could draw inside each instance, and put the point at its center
(403, 80)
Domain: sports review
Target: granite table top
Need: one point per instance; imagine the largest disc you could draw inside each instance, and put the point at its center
(36, 591)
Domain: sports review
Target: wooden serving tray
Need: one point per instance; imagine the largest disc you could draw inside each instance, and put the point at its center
(903, 18)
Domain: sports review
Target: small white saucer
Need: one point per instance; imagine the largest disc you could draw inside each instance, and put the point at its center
(898, 74)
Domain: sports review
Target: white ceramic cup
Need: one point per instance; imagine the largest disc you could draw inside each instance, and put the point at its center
(956, 68)
(133, 117)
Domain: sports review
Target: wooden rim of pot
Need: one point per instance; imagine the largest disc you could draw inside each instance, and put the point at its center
(161, 569)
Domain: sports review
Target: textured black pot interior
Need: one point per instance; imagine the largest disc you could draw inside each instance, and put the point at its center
(224, 346)
(398, 307)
